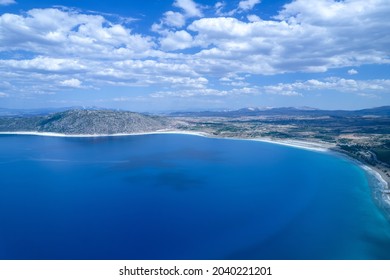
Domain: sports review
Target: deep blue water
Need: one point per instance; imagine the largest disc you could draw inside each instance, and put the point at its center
(182, 197)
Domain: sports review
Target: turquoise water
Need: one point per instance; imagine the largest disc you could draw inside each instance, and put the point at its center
(182, 197)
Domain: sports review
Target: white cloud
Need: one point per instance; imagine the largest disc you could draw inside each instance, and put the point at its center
(122, 99)
(366, 88)
(295, 41)
(352, 72)
(246, 5)
(243, 6)
(201, 92)
(234, 80)
(48, 49)
(369, 95)
(219, 6)
(281, 89)
(333, 84)
(174, 19)
(2, 94)
(176, 41)
(152, 67)
(45, 64)
(216, 28)
(190, 8)
(66, 32)
(74, 83)
(253, 18)
(306, 36)
(7, 2)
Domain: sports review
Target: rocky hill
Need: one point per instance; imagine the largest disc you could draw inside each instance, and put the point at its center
(87, 122)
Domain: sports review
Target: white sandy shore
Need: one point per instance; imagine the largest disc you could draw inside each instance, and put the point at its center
(52, 134)
(313, 146)
(319, 147)
(377, 175)
(384, 185)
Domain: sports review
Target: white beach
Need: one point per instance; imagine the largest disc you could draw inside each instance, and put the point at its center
(313, 146)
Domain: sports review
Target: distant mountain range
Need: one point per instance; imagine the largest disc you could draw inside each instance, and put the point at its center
(288, 111)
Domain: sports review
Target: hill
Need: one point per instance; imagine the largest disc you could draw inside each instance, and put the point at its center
(86, 122)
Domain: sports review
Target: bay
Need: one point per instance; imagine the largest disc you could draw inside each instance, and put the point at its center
(173, 196)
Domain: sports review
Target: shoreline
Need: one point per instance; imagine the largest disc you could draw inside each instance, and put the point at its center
(312, 146)
(376, 176)
(55, 134)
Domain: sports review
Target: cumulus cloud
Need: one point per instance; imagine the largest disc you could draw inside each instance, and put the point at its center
(57, 43)
(48, 49)
(234, 80)
(74, 83)
(304, 37)
(187, 93)
(243, 6)
(190, 8)
(352, 72)
(253, 18)
(333, 84)
(66, 32)
(176, 40)
(219, 6)
(246, 5)
(44, 63)
(174, 19)
(7, 2)
(365, 88)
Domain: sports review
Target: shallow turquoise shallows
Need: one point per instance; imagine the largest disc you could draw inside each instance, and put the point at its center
(182, 197)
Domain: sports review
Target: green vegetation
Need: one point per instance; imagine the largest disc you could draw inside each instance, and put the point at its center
(383, 154)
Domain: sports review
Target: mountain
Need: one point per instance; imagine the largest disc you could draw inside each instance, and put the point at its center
(287, 111)
(379, 111)
(86, 122)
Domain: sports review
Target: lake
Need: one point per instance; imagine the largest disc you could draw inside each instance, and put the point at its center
(175, 196)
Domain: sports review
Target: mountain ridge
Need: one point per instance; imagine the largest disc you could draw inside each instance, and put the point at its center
(80, 121)
(253, 111)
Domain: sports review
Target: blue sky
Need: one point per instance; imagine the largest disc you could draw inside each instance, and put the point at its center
(191, 55)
